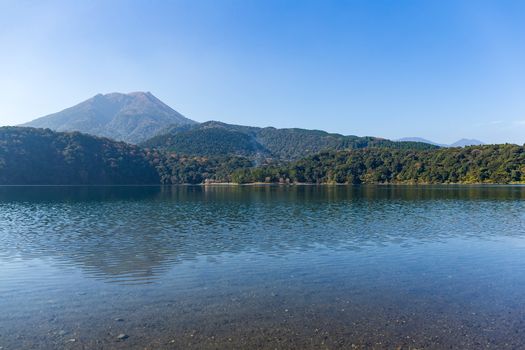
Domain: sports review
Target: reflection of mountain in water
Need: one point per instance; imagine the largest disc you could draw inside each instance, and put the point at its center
(137, 232)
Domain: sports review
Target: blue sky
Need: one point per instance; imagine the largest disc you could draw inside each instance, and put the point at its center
(440, 69)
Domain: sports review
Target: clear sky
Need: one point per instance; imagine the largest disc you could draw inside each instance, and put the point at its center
(440, 69)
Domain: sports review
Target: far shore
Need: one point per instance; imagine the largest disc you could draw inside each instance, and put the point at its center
(349, 184)
(269, 184)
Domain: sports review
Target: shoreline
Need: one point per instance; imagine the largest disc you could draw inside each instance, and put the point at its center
(270, 184)
(349, 184)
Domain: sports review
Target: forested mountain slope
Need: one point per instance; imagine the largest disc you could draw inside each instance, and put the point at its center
(216, 138)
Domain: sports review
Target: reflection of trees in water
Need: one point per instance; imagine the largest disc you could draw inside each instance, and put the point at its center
(60, 194)
(137, 232)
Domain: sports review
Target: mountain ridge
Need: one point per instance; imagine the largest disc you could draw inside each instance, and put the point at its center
(214, 138)
(141, 118)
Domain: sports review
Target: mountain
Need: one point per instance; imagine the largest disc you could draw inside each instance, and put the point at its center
(132, 117)
(215, 138)
(466, 142)
(31, 156)
(459, 143)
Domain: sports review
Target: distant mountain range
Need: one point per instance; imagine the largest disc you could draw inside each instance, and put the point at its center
(133, 117)
(459, 143)
(141, 118)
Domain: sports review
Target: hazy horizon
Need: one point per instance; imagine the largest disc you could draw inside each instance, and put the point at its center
(440, 70)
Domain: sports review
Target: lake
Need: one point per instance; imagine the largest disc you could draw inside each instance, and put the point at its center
(246, 267)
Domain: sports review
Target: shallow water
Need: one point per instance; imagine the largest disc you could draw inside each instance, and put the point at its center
(262, 267)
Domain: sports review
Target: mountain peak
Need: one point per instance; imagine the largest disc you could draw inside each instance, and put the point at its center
(140, 93)
(132, 117)
(467, 142)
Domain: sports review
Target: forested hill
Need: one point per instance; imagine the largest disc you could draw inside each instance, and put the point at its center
(216, 138)
(41, 156)
(475, 164)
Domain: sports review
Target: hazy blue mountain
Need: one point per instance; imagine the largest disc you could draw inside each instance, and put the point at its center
(459, 143)
(132, 117)
(466, 142)
(215, 138)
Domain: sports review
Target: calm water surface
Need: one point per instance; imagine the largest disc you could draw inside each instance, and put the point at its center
(368, 267)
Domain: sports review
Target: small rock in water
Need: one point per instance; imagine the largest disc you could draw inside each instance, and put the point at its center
(122, 336)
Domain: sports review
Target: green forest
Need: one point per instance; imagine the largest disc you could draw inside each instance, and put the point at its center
(30, 156)
(475, 164)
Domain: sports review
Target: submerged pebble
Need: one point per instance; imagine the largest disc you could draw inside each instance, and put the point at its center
(122, 336)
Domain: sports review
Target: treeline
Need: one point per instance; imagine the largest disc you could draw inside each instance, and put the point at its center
(30, 156)
(178, 169)
(42, 157)
(476, 164)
